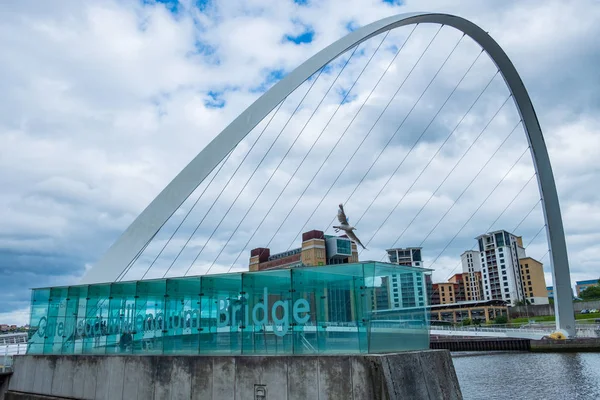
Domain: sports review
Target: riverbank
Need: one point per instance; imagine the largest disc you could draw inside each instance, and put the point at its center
(475, 345)
(579, 345)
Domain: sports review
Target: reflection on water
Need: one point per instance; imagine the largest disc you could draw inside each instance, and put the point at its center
(529, 376)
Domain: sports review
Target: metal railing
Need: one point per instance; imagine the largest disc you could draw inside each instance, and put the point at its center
(488, 328)
(7, 352)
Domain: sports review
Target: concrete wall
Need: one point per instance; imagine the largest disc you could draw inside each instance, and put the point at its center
(4, 379)
(548, 309)
(410, 375)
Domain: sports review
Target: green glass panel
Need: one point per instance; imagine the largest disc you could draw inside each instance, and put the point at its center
(306, 294)
(341, 309)
(183, 316)
(38, 320)
(96, 316)
(220, 294)
(149, 316)
(331, 294)
(404, 317)
(263, 313)
(118, 329)
(57, 304)
(75, 319)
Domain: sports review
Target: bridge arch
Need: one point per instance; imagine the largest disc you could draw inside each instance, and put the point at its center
(133, 241)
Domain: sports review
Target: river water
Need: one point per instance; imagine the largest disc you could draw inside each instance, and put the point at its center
(552, 376)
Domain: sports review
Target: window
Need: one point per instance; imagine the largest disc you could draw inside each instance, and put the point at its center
(505, 278)
(532, 301)
(503, 272)
(528, 277)
(506, 290)
(529, 283)
(506, 284)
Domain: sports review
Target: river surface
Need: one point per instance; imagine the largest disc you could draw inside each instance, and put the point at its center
(552, 376)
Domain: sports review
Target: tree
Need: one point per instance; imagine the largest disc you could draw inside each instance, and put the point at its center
(466, 322)
(591, 293)
(501, 319)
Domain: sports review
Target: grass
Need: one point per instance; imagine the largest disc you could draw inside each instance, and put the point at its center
(550, 318)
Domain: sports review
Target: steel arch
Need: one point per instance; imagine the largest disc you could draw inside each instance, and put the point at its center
(149, 222)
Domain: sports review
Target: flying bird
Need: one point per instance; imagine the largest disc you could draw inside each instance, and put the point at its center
(345, 226)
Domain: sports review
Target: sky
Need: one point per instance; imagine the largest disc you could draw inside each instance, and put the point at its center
(104, 102)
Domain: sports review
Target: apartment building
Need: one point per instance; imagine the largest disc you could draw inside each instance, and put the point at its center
(471, 265)
(534, 283)
(408, 290)
(499, 254)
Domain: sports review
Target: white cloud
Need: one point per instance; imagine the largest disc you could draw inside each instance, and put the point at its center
(104, 103)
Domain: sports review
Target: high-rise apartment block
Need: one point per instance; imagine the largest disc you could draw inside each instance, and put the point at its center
(500, 270)
(407, 290)
(471, 264)
(499, 256)
(410, 256)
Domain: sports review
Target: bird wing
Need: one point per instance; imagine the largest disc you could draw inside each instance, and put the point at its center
(352, 236)
(342, 216)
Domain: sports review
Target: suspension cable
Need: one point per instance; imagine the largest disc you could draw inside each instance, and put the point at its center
(332, 149)
(188, 214)
(536, 235)
(499, 216)
(256, 169)
(494, 222)
(462, 193)
(126, 270)
(226, 185)
(481, 205)
(305, 156)
(414, 144)
(361, 143)
(431, 160)
(527, 215)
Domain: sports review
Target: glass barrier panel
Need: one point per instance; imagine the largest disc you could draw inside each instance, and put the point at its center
(57, 306)
(150, 316)
(183, 316)
(335, 309)
(399, 317)
(264, 309)
(76, 306)
(96, 315)
(119, 324)
(219, 295)
(40, 299)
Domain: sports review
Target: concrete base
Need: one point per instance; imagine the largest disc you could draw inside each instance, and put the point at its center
(568, 345)
(411, 375)
(4, 379)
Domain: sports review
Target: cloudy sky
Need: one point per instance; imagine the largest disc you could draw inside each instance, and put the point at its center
(105, 102)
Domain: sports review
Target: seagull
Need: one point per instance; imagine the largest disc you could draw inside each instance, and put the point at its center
(345, 226)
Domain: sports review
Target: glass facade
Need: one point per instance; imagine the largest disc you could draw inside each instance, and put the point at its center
(309, 310)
